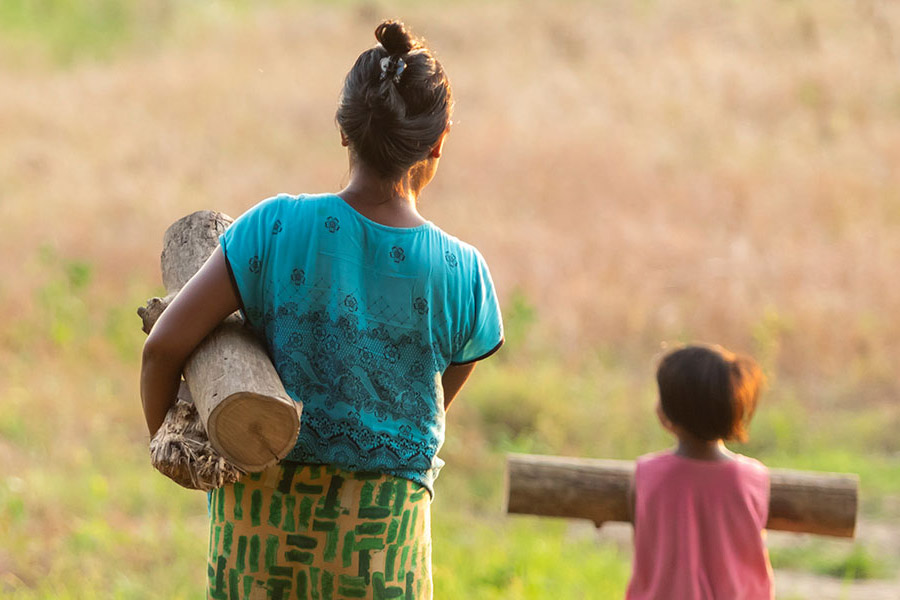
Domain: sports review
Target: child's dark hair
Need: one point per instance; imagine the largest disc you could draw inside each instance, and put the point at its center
(394, 111)
(709, 391)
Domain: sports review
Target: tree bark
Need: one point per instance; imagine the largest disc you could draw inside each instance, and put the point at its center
(598, 490)
(248, 416)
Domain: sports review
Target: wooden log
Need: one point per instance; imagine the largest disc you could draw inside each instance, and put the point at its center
(248, 416)
(597, 490)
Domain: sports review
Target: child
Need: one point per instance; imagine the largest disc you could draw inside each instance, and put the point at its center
(700, 510)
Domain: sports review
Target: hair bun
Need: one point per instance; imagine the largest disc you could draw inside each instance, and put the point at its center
(395, 38)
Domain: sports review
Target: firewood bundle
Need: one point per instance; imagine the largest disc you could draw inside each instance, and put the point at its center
(181, 451)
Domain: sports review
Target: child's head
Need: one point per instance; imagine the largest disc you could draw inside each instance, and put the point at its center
(709, 392)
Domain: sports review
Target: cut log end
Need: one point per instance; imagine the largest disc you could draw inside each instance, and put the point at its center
(253, 430)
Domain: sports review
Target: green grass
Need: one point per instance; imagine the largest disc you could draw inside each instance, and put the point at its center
(522, 558)
(65, 33)
(82, 514)
(91, 519)
(834, 560)
(68, 30)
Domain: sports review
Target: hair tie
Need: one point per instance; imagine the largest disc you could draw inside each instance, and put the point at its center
(393, 67)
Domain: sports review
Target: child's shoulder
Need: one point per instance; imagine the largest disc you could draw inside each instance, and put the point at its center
(655, 461)
(663, 458)
(651, 457)
(751, 466)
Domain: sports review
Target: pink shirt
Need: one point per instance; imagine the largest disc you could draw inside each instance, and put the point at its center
(698, 532)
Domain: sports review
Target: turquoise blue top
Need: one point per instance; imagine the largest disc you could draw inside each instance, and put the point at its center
(361, 320)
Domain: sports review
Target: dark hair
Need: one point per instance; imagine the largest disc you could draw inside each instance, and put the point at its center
(709, 391)
(393, 121)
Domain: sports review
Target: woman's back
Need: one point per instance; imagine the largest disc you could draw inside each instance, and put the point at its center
(698, 529)
(361, 319)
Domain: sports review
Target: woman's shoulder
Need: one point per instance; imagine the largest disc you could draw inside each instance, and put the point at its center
(284, 208)
(463, 249)
(273, 205)
(283, 200)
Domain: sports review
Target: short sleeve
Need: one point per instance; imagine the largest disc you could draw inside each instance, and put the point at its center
(486, 335)
(246, 244)
(758, 484)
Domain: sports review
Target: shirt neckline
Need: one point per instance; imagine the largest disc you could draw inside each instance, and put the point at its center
(700, 461)
(361, 217)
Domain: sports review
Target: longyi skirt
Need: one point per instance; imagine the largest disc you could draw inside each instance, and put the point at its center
(315, 532)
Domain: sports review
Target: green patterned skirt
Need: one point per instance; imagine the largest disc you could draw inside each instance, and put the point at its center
(314, 532)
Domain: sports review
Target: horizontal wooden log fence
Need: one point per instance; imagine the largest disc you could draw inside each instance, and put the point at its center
(598, 490)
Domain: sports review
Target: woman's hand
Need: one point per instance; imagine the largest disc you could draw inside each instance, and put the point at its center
(199, 307)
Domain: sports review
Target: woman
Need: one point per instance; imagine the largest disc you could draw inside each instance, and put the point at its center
(374, 319)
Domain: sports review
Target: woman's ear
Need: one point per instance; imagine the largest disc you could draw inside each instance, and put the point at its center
(345, 141)
(438, 148)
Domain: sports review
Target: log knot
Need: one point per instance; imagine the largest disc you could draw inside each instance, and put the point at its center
(151, 312)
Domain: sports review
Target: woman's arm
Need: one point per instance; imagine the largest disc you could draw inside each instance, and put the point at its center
(453, 379)
(196, 310)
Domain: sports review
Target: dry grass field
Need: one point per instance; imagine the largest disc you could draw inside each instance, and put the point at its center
(634, 172)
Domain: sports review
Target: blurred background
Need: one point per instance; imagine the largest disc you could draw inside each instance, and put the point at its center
(637, 173)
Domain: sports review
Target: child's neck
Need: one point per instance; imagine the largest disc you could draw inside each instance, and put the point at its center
(691, 447)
